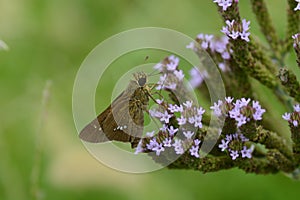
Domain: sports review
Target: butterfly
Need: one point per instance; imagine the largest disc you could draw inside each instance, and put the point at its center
(123, 120)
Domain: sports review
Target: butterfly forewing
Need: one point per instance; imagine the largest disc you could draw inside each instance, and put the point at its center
(122, 121)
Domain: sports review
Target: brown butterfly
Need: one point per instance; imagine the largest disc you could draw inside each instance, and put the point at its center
(123, 120)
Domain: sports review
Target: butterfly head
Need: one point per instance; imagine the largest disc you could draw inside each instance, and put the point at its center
(141, 78)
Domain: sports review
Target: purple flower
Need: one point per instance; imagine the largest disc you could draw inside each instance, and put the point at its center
(158, 149)
(234, 154)
(216, 108)
(234, 34)
(164, 128)
(242, 102)
(152, 144)
(167, 142)
(197, 142)
(165, 117)
(171, 86)
(222, 66)
(247, 153)
(188, 104)
(188, 134)
(245, 25)
(179, 74)
(294, 117)
(296, 38)
(225, 55)
(235, 30)
(172, 131)
(159, 101)
(139, 147)
(191, 46)
(224, 145)
(175, 108)
(208, 37)
(191, 120)
(295, 123)
(225, 30)
(195, 151)
(297, 106)
(181, 120)
(178, 147)
(258, 111)
(200, 111)
(173, 63)
(245, 36)
(223, 3)
(204, 45)
(229, 99)
(286, 116)
(234, 113)
(228, 137)
(198, 122)
(220, 46)
(241, 120)
(172, 108)
(298, 6)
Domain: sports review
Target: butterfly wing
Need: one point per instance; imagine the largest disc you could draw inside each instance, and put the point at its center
(122, 121)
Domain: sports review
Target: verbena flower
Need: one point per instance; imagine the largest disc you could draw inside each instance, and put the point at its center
(217, 47)
(152, 144)
(139, 148)
(194, 151)
(234, 144)
(224, 145)
(165, 117)
(234, 154)
(223, 3)
(158, 149)
(170, 77)
(294, 117)
(296, 38)
(241, 110)
(247, 153)
(235, 30)
(167, 142)
(178, 146)
(172, 130)
(188, 134)
(298, 6)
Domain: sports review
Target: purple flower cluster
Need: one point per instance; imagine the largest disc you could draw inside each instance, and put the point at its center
(223, 3)
(241, 110)
(296, 38)
(188, 116)
(234, 145)
(214, 45)
(294, 117)
(171, 76)
(235, 29)
(179, 146)
(298, 6)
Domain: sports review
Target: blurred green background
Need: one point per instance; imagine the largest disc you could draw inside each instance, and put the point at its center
(48, 40)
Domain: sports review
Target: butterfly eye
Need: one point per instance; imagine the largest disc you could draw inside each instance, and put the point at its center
(142, 81)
